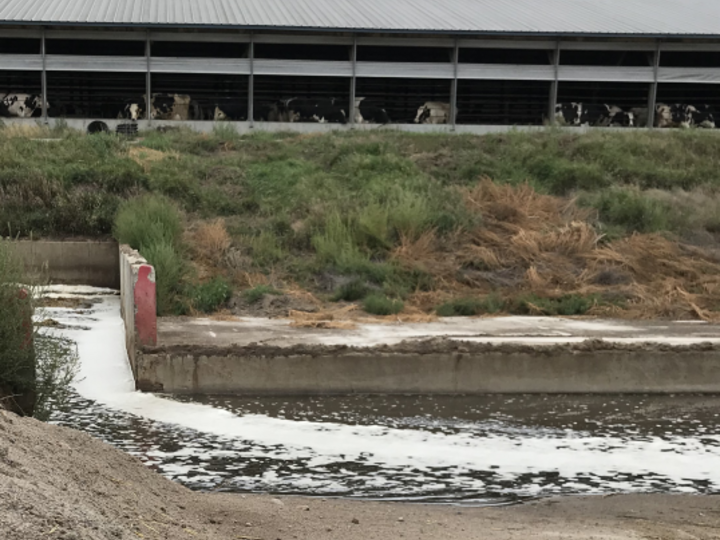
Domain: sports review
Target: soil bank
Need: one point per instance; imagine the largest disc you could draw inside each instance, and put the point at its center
(59, 483)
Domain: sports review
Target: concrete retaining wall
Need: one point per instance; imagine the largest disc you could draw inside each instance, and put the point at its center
(72, 263)
(137, 302)
(610, 371)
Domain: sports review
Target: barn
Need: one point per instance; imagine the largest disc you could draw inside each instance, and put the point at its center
(493, 63)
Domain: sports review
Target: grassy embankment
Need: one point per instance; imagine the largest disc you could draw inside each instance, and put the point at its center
(620, 223)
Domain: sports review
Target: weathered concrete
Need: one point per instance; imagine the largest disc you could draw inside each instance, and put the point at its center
(73, 262)
(137, 301)
(505, 371)
(500, 355)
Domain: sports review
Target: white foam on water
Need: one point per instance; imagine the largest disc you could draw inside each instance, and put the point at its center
(106, 378)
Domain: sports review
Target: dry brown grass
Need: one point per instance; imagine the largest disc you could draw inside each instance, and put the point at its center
(209, 241)
(552, 246)
(146, 157)
(25, 131)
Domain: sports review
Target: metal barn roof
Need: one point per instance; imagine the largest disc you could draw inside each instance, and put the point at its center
(552, 17)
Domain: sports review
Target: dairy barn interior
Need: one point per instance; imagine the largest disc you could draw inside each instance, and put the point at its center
(496, 64)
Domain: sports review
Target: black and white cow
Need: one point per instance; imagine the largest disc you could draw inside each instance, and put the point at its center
(170, 107)
(569, 114)
(230, 110)
(133, 110)
(433, 112)
(579, 114)
(162, 107)
(673, 115)
(20, 105)
(703, 116)
(322, 111)
(370, 112)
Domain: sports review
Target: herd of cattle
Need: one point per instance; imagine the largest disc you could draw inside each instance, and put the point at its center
(675, 115)
(329, 110)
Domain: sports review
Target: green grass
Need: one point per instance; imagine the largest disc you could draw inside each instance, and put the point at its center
(379, 304)
(211, 296)
(468, 307)
(355, 290)
(341, 203)
(257, 293)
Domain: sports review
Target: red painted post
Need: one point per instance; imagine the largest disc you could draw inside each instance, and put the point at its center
(145, 306)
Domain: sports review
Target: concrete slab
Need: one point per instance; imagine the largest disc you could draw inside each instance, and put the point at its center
(535, 331)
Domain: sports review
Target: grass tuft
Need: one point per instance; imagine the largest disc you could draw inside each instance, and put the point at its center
(379, 304)
(257, 293)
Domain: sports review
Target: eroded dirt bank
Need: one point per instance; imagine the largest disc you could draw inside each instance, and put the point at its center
(60, 483)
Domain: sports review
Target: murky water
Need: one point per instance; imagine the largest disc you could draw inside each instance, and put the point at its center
(464, 449)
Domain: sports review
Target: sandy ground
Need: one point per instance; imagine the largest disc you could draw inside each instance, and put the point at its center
(60, 483)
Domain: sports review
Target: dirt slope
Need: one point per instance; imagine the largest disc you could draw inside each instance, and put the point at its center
(58, 483)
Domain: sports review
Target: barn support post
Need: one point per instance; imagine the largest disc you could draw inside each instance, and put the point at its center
(652, 94)
(43, 78)
(251, 82)
(552, 102)
(353, 81)
(148, 79)
(454, 86)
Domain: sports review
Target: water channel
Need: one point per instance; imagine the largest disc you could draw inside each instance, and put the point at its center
(449, 449)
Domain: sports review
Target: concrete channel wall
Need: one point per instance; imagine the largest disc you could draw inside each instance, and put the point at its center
(72, 262)
(137, 302)
(572, 369)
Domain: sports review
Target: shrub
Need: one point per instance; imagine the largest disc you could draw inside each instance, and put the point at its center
(36, 369)
(17, 355)
(265, 248)
(569, 304)
(257, 293)
(631, 209)
(379, 304)
(209, 297)
(57, 366)
(469, 307)
(353, 291)
(147, 220)
(170, 270)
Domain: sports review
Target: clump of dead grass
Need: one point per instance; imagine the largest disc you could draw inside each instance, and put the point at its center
(551, 245)
(147, 157)
(209, 241)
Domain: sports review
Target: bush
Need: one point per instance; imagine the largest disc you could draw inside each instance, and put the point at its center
(256, 294)
(57, 366)
(209, 297)
(147, 220)
(353, 291)
(170, 270)
(569, 304)
(17, 354)
(36, 369)
(151, 224)
(631, 209)
(379, 304)
(469, 307)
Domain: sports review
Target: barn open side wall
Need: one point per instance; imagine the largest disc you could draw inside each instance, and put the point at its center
(498, 81)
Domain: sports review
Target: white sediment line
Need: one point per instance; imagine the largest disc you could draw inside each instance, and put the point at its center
(106, 378)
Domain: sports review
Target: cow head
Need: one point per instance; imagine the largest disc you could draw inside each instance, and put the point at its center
(569, 113)
(423, 113)
(133, 111)
(219, 114)
(35, 102)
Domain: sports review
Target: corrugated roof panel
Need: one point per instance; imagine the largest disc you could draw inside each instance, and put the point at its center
(639, 17)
